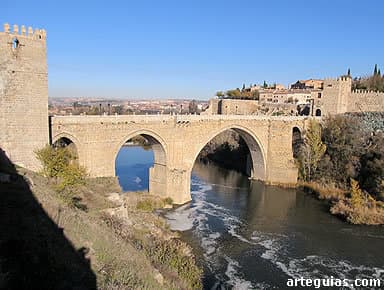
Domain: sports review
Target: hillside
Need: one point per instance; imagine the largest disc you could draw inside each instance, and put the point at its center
(111, 241)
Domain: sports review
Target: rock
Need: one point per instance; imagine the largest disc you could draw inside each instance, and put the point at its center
(115, 198)
(158, 277)
(168, 206)
(120, 212)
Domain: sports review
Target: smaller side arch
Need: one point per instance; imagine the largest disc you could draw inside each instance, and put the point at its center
(158, 144)
(297, 141)
(158, 173)
(318, 113)
(69, 139)
(66, 135)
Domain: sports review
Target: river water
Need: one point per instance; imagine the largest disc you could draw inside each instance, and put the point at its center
(247, 235)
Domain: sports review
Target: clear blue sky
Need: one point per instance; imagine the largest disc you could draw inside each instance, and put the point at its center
(191, 49)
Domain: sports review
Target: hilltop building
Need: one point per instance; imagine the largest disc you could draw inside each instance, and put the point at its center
(308, 84)
(322, 97)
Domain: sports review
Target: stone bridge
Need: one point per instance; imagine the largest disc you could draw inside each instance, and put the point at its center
(176, 142)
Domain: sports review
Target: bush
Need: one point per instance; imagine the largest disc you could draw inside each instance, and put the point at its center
(171, 254)
(168, 200)
(146, 205)
(60, 163)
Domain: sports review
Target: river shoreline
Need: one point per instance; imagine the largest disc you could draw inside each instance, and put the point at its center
(340, 205)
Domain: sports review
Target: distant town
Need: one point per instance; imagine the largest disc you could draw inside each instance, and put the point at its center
(304, 97)
(103, 106)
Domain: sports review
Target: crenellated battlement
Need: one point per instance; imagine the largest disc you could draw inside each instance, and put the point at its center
(344, 79)
(24, 32)
(366, 92)
(339, 79)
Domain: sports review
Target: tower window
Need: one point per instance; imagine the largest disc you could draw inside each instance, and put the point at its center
(15, 43)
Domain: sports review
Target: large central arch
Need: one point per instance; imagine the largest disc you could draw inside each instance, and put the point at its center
(258, 160)
(157, 173)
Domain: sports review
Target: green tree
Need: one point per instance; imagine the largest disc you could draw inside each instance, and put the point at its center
(192, 107)
(220, 94)
(344, 138)
(234, 93)
(60, 163)
(371, 174)
(265, 85)
(118, 109)
(349, 72)
(313, 150)
(375, 70)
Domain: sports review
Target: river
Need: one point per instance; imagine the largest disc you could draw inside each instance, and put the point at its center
(247, 235)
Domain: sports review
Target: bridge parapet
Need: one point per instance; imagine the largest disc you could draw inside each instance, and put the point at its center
(172, 118)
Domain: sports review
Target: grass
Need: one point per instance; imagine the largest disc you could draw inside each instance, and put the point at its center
(341, 203)
(327, 192)
(122, 254)
(149, 204)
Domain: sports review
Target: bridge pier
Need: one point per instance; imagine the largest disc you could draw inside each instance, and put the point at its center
(158, 179)
(170, 182)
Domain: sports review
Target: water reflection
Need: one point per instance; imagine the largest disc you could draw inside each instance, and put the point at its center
(132, 167)
(249, 235)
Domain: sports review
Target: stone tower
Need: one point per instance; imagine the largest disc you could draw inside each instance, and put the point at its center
(23, 94)
(336, 95)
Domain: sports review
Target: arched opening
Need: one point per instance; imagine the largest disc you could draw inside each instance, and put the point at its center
(304, 110)
(318, 113)
(297, 142)
(140, 164)
(66, 142)
(230, 158)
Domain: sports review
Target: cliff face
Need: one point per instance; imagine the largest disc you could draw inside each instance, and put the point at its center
(371, 121)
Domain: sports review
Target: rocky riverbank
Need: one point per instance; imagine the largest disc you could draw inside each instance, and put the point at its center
(105, 240)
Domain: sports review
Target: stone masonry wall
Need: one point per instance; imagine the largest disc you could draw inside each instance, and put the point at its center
(232, 107)
(23, 94)
(366, 101)
(181, 137)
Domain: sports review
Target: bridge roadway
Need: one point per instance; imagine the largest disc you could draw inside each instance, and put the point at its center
(176, 142)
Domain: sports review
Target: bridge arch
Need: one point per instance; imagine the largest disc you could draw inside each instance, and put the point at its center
(297, 141)
(65, 136)
(65, 139)
(157, 143)
(158, 172)
(256, 149)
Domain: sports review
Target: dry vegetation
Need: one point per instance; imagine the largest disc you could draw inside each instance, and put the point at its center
(114, 239)
(342, 162)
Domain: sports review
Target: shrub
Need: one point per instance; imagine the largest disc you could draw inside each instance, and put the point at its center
(168, 200)
(60, 163)
(146, 205)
